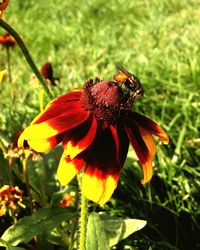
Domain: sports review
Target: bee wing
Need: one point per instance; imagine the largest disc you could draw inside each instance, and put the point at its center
(122, 69)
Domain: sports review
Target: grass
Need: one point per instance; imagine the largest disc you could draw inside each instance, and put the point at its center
(159, 42)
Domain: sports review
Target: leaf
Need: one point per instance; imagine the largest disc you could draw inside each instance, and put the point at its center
(96, 238)
(119, 229)
(5, 171)
(42, 221)
(105, 231)
(8, 246)
(59, 195)
(42, 176)
(38, 180)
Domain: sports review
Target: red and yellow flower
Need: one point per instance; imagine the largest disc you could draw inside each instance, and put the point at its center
(3, 5)
(7, 40)
(10, 199)
(67, 200)
(95, 125)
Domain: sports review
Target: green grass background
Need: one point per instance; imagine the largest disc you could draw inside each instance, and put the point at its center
(159, 41)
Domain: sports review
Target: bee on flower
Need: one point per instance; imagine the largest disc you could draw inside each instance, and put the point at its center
(95, 125)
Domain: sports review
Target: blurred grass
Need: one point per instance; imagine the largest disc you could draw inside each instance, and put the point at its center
(156, 40)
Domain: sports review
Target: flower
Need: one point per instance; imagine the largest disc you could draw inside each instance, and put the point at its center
(3, 5)
(95, 125)
(47, 72)
(67, 200)
(7, 40)
(10, 199)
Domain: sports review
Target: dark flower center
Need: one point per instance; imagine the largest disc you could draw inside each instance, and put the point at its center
(107, 100)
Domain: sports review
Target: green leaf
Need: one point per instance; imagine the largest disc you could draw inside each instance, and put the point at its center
(96, 238)
(59, 195)
(119, 229)
(8, 246)
(6, 176)
(42, 221)
(38, 180)
(105, 231)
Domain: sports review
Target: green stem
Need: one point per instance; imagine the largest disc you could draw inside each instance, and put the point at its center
(83, 222)
(27, 55)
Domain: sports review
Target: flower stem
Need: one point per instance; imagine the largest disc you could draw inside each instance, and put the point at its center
(27, 55)
(83, 222)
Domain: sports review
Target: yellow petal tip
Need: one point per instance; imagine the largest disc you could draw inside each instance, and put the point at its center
(143, 181)
(98, 190)
(21, 140)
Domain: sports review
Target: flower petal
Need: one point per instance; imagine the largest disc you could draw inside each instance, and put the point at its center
(80, 138)
(102, 171)
(121, 143)
(68, 168)
(124, 145)
(7, 40)
(141, 151)
(148, 139)
(98, 187)
(62, 123)
(116, 140)
(58, 106)
(45, 144)
(72, 95)
(36, 132)
(149, 125)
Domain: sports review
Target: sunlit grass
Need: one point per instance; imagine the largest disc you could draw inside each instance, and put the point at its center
(156, 40)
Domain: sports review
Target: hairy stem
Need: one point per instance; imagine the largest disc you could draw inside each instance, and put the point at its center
(83, 222)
